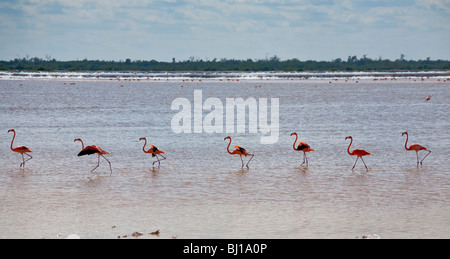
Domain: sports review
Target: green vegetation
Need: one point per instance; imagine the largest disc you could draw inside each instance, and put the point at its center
(269, 64)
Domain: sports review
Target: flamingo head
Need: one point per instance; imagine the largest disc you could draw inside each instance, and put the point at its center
(349, 137)
(404, 133)
(295, 133)
(75, 140)
(11, 130)
(142, 139)
(227, 138)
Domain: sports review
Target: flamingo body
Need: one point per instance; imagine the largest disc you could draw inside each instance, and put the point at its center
(416, 147)
(23, 150)
(302, 146)
(154, 151)
(357, 152)
(94, 149)
(239, 151)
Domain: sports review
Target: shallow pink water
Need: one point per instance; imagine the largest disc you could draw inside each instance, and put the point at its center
(200, 191)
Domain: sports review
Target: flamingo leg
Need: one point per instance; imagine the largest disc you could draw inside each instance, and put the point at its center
(32, 158)
(157, 161)
(242, 161)
(108, 163)
(304, 161)
(306, 158)
(365, 164)
(425, 157)
(249, 160)
(23, 162)
(98, 164)
(163, 157)
(417, 154)
(355, 163)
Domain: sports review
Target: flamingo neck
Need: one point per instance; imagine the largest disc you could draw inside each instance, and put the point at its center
(348, 149)
(12, 141)
(228, 147)
(296, 137)
(82, 144)
(145, 144)
(406, 142)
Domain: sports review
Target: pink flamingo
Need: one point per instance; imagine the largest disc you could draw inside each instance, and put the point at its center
(302, 146)
(239, 151)
(154, 151)
(357, 152)
(20, 149)
(417, 148)
(89, 150)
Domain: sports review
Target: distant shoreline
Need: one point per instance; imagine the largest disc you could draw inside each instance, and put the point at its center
(272, 64)
(218, 75)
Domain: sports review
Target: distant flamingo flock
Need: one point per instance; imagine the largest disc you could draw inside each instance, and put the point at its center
(155, 152)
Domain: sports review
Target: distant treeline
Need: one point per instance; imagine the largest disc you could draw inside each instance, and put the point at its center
(353, 63)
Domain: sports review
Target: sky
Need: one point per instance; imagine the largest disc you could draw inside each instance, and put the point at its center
(231, 29)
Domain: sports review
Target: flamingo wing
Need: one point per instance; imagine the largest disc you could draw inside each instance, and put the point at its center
(103, 152)
(153, 150)
(241, 150)
(360, 152)
(100, 150)
(22, 149)
(89, 150)
(417, 147)
(302, 145)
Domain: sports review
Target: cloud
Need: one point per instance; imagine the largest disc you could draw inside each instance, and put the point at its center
(162, 29)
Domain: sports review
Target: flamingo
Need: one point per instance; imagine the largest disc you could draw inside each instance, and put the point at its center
(302, 146)
(154, 151)
(239, 151)
(20, 149)
(415, 147)
(357, 152)
(89, 150)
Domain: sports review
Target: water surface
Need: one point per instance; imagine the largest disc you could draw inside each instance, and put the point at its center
(200, 191)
